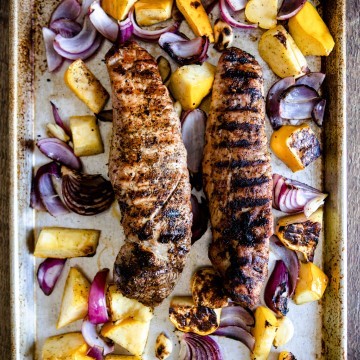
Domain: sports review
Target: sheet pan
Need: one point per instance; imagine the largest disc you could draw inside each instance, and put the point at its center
(34, 315)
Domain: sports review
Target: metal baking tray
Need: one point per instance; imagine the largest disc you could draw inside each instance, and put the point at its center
(320, 328)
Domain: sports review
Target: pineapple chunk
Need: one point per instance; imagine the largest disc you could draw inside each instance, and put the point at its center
(130, 334)
(122, 307)
(74, 304)
(86, 136)
(311, 284)
(262, 12)
(118, 9)
(264, 332)
(285, 332)
(86, 86)
(191, 83)
(150, 12)
(63, 243)
(69, 346)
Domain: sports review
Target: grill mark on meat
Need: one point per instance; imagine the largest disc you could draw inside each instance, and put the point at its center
(238, 178)
(148, 171)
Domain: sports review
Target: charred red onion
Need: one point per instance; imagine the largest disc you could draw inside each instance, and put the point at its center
(59, 151)
(183, 51)
(86, 194)
(81, 46)
(103, 23)
(318, 112)
(48, 274)
(291, 196)
(54, 60)
(237, 333)
(85, 4)
(193, 134)
(237, 5)
(200, 213)
(93, 339)
(96, 352)
(225, 14)
(277, 290)
(97, 310)
(105, 115)
(290, 260)
(65, 27)
(58, 119)
(196, 347)
(44, 191)
(67, 9)
(150, 34)
(234, 315)
(313, 80)
(126, 30)
(289, 8)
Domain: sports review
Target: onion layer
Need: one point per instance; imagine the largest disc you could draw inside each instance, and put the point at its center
(65, 27)
(289, 8)
(313, 80)
(237, 5)
(96, 352)
(86, 194)
(48, 274)
(126, 30)
(237, 333)
(58, 119)
(67, 9)
(54, 60)
(291, 196)
(237, 316)
(277, 289)
(225, 14)
(97, 311)
(200, 213)
(318, 112)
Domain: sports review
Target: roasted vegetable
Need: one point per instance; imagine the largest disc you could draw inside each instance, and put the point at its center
(86, 86)
(223, 35)
(150, 12)
(297, 232)
(62, 243)
(285, 331)
(207, 289)
(310, 33)
(130, 334)
(196, 17)
(118, 9)
(74, 304)
(164, 68)
(262, 12)
(69, 346)
(188, 317)
(122, 308)
(191, 83)
(311, 285)
(264, 332)
(86, 136)
(280, 52)
(163, 346)
(286, 355)
(57, 131)
(297, 146)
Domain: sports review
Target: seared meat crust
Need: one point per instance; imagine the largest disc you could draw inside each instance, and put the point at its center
(148, 170)
(237, 177)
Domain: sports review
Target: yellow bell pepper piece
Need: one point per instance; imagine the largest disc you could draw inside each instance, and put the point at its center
(311, 284)
(196, 17)
(118, 9)
(150, 12)
(310, 33)
(296, 145)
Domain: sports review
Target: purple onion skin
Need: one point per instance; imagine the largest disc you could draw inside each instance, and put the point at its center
(313, 80)
(237, 333)
(97, 310)
(201, 348)
(277, 289)
(96, 352)
(289, 8)
(46, 276)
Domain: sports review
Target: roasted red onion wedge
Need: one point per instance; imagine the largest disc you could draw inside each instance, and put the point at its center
(237, 316)
(289, 8)
(193, 135)
(65, 27)
(67, 9)
(126, 30)
(277, 290)
(85, 5)
(150, 34)
(104, 24)
(186, 52)
(86, 194)
(54, 60)
(97, 310)
(237, 333)
(44, 191)
(93, 339)
(237, 5)
(196, 347)
(96, 352)
(313, 80)
(290, 260)
(59, 151)
(200, 213)
(226, 16)
(78, 44)
(299, 94)
(273, 100)
(291, 196)
(105, 115)
(48, 274)
(58, 119)
(319, 112)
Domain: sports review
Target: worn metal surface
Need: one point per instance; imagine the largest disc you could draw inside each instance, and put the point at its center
(20, 239)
